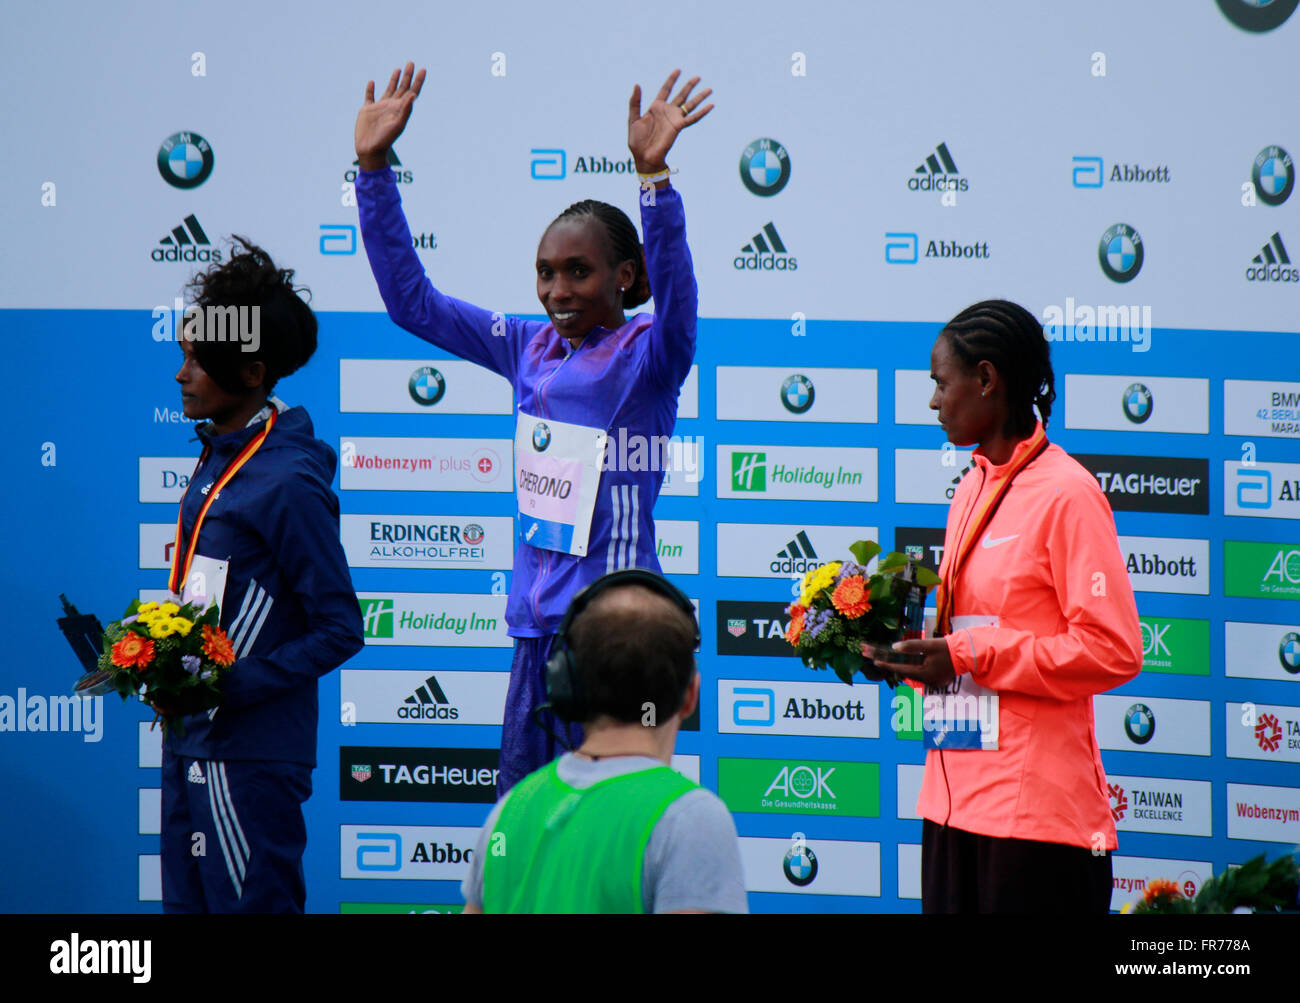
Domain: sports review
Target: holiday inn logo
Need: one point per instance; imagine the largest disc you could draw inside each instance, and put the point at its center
(749, 471)
(377, 617)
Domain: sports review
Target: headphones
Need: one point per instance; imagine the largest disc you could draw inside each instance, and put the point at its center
(565, 696)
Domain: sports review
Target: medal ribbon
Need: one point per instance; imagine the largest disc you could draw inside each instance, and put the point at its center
(181, 571)
(943, 595)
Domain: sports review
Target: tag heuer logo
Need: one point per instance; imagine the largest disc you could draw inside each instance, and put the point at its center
(736, 627)
(361, 773)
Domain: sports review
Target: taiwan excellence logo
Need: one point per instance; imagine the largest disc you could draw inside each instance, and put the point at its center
(1257, 15)
(1138, 403)
(426, 386)
(1118, 802)
(1140, 724)
(1268, 732)
(541, 436)
(797, 393)
(1288, 652)
(185, 160)
(1120, 253)
(800, 865)
(765, 167)
(1273, 174)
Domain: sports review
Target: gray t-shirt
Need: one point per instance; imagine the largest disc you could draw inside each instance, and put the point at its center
(692, 860)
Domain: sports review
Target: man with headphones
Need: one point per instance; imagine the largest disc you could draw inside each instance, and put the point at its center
(610, 827)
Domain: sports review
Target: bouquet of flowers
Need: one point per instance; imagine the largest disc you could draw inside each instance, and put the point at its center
(845, 618)
(177, 654)
(1256, 886)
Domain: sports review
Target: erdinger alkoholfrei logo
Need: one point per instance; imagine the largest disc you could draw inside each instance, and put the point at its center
(1257, 15)
(800, 865)
(472, 533)
(797, 393)
(541, 436)
(1273, 174)
(426, 386)
(1288, 652)
(1120, 252)
(1139, 724)
(185, 160)
(765, 167)
(1138, 403)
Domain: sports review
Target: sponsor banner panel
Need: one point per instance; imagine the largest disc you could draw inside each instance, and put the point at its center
(1160, 804)
(913, 389)
(684, 473)
(404, 773)
(1151, 483)
(1263, 731)
(688, 402)
(1261, 570)
(810, 867)
(800, 787)
(423, 541)
(1261, 408)
(399, 696)
(909, 871)
(774, 707)
(753, 628)
(421, 386)
(1175, 645)
(1271, 814)
(1167, 564)
(406, 852)
(1262, 650)
(434, 618)
(765, 550)
(157, 543)
(1153, 724)
(404, 908)
(1137, 403)
(372, 463)
(1262, 490)
(677, 544)
(1131, 875)
(909, 788)
(768, 393)
(923, 544)
(814, 473)
(929, 476)
(165, 478)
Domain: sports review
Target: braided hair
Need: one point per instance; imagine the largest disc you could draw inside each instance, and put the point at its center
(624, 244)
(1011, 338)
(286, 326)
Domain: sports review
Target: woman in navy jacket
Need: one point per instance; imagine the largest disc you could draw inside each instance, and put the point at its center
(234, 778)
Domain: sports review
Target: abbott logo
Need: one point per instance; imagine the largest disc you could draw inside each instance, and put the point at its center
(758, 712)
(549, 165)
(338, 238)
(383, 852)
(1254, 489)
(901, 248)
(1088, 172)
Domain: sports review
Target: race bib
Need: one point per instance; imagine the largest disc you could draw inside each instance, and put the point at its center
(207, 582)
(556, 480)
(963, 714)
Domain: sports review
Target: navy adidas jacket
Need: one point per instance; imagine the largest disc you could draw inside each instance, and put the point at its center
(289, 609)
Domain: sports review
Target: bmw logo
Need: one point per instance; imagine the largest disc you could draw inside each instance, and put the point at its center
(765, 167)
(426, 386)
(797, 393)
(1120, 253)
(472, 534)
(1288, 652)
(541, 436)
(185, 160)
(1139, 724)
(1138, 403)
(1273, 174)
(800, 865)
(1257, 15)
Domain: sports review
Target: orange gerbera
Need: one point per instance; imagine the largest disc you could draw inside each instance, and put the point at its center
(850, 597)
(133, 651)
(1160, 888)
(216, 645)
(795, 629)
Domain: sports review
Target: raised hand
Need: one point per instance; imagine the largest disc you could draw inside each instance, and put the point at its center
(379, 123)
(651, 135)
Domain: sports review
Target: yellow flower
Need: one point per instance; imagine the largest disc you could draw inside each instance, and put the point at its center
(181, 626)
(147, 607)
(170, 608)
(160, 629)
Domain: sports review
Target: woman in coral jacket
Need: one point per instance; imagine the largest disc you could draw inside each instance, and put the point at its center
(1036, 615)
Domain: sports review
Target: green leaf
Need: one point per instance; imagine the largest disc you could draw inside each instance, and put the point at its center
(864, 550)
(893, 561)
(926, 578)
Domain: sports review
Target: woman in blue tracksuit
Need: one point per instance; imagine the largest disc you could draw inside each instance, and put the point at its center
(585, 377)
(267, 550)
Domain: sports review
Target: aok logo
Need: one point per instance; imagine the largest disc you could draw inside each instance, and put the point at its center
(1284, 569)
(377, 617)
(1153, 640)
(802, 782)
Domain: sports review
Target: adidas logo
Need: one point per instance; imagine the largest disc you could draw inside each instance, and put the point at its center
(195, 776)
(428, 703)
(187, 242)
(403, 177)
(765, 252)
(1270, 264)
(933, 175)
(797, 557)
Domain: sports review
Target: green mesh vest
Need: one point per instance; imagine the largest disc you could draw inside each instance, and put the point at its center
(559, 849)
